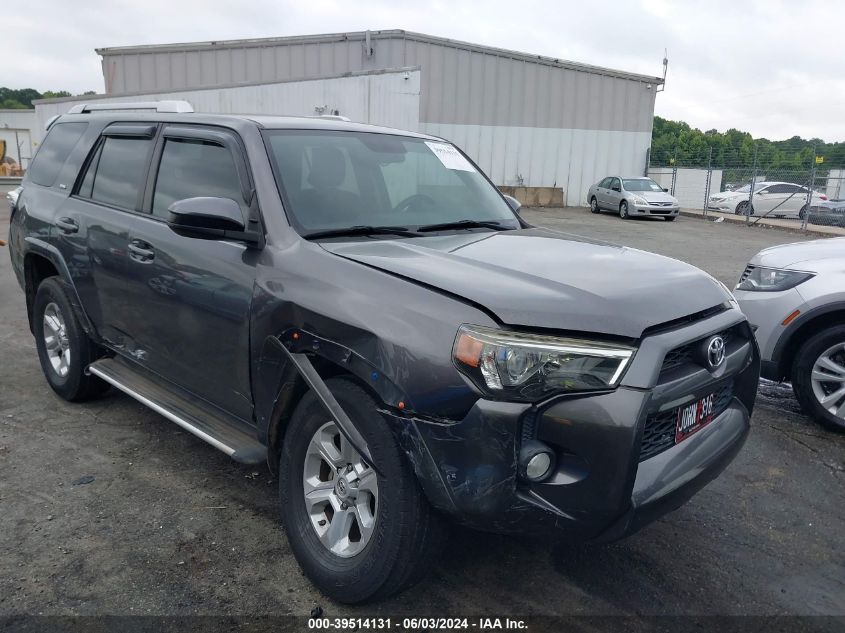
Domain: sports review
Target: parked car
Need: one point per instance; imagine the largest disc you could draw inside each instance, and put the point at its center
(631, 197)
(794, 296)
(828, 212)
(361, 308)
(772, 199)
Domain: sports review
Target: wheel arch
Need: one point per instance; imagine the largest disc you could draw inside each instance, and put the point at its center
(802, 330)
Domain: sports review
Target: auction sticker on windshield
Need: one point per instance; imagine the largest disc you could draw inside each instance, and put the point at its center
(450, 157)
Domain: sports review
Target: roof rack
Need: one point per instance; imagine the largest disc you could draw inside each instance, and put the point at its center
(158, 106)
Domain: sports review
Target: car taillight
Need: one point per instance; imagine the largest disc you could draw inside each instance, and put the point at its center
(822, 197)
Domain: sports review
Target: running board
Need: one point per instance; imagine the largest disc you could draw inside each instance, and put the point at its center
(199, 418)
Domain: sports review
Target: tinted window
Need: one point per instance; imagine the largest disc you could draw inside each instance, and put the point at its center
(116, 173)
(53, 153)
(195, 168)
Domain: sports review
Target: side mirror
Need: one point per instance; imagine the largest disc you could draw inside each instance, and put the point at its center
(665, 190)
(209, 218)
(515, 204)
(616, 188)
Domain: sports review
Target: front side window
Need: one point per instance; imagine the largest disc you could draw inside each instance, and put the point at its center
(53, 153)
(337, 180)
(614, 182)
(641, 184)
(192, 168)
(605, 184)
(116, 172)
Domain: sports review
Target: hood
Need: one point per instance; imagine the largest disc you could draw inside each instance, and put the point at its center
(544, 279)
(804, 253)
(654, 196)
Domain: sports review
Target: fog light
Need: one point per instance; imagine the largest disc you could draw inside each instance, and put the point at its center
(536, 461)
(538, 466)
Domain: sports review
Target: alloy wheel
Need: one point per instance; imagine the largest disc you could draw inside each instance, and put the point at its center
(623, 210)
(56, 340)
(340, 492)
(828, 380)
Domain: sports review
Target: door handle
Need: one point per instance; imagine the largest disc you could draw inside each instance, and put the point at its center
(140, 251)
(67, 225)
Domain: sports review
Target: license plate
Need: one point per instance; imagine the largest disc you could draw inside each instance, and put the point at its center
(694, 417)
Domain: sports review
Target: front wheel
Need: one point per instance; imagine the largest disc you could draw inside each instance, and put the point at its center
(743, 208)
(623, 210)
(594, 205)
(818, 377)
(357, 535)
(65, 351)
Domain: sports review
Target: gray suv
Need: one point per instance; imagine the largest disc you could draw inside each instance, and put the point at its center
(794, 296)
(361, 308)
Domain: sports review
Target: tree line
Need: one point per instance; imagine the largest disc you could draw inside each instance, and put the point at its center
(676, 143)
(22, 98)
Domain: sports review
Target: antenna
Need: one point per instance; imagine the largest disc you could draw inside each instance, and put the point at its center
(662, 86)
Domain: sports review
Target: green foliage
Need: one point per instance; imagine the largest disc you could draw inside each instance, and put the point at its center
(676, 143)
(12, 99)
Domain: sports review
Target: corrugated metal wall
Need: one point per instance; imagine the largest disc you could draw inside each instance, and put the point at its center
(461, 83)
(20, 147)
(384, 98)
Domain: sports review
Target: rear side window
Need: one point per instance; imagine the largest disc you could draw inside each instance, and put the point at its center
(192, 168)
(116, 172)
(53, 153)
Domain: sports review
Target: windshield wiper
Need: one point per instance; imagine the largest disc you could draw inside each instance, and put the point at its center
(464, 224)
(362, 230)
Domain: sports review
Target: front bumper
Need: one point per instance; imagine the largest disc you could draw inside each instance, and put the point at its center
(766, 312)
(642, 209)
(600, 490)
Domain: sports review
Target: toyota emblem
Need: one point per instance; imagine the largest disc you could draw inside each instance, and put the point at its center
(715, 352)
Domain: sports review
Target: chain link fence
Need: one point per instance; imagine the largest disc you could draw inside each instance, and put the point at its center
(757, 188)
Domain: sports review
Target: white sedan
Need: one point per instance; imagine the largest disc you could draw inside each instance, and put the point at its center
(773, 199)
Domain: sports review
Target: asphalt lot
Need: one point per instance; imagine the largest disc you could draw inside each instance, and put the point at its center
(168, 525)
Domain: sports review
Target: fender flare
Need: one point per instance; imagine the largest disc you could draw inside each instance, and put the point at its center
(789, 334)
(51, 253)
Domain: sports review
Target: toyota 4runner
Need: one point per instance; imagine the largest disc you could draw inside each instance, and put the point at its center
(362, 309)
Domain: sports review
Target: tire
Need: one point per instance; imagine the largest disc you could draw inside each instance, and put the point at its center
(64, 350)
(742, 209)
(671, 218)
(405, 536)
(809, 361)
(623, 210)
(594, 205)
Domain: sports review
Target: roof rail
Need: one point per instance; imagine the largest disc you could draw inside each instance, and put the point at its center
(158, 106)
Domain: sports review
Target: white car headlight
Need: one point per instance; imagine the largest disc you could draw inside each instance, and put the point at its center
(761, 279)
(640, 200)
(529, 367)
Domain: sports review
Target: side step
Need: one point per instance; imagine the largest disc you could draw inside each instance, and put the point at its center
(196, 416)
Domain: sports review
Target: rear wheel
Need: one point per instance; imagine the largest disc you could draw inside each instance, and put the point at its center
(357, 535)
(623, 210)
(594, 205)
(64, 349)
(818, 377)
(743, 208)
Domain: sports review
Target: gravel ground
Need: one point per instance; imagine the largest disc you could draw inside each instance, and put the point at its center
(107, 508)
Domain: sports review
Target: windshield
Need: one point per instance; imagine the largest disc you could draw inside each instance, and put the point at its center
(641, 184)
(333, 180)
(747, 188)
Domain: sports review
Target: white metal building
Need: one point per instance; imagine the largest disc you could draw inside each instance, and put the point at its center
(525, 119)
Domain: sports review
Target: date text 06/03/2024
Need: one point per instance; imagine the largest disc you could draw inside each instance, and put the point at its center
(417, 624)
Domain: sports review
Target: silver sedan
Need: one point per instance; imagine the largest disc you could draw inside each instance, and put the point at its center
(630, 197)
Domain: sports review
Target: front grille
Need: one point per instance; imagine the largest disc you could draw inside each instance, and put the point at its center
(685, 354)
(659, 431)
(661, 204)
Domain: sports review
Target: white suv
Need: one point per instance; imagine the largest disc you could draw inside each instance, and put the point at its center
(794, 297)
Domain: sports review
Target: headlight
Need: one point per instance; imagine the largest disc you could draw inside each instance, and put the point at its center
(640, 200)
(771, 279)
(516, 366)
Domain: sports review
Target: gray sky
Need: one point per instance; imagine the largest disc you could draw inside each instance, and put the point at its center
(767, 67)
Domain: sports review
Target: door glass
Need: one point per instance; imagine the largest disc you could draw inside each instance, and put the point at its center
(192, 168)
(115, 176)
